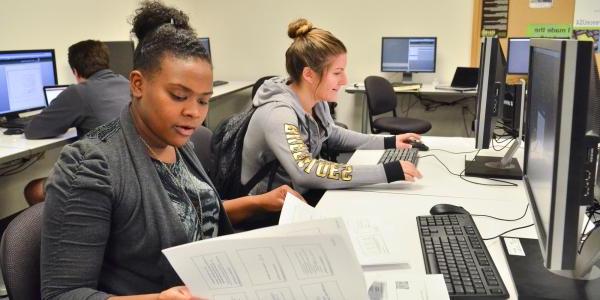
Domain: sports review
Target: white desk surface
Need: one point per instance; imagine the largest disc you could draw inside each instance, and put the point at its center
(400, 204)
(437, 181)
(230, 87)
(17, 146)
(425, 89)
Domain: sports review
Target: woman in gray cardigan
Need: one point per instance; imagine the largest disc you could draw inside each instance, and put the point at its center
(134, 186)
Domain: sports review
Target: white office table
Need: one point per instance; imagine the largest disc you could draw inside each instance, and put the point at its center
(400, 204)
(17, 146)
(437, 181)
(426, 89)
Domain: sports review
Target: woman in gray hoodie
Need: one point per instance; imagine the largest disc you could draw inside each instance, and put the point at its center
(292, 121)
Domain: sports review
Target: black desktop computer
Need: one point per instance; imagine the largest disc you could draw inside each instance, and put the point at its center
(408, 55)
(561, 152)
(206, 44)
(25, 73)
(490, 102)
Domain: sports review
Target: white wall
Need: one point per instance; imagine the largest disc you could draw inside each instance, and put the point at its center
(248, 39)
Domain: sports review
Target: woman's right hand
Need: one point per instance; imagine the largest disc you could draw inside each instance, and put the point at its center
(410, 171)
(177, 293)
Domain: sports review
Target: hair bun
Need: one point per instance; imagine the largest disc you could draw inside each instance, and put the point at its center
(153, 14)
(299, 28)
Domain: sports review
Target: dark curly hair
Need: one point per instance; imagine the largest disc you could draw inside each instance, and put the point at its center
(163, 30)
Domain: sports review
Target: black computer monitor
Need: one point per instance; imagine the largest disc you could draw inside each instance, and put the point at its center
(490, 98)
(518, 56)
(408, 55)
(561, 151)
(120, 57)
(23, 74)
(206, 44)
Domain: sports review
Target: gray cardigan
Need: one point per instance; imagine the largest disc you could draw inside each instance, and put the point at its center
(107, 217)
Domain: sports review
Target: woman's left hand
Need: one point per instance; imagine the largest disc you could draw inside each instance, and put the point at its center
(273, 201)
(402, 140)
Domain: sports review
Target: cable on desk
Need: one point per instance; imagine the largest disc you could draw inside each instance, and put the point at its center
(443, 150)
(507, 220)
(461, 176)
(435, 103)
(591, 212)
(22, 165)
(504, 146)
(510, 230)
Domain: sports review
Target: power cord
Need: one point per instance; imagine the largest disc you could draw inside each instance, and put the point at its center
(504, 146)
(507, 220)
(591, 212)
(510, 230)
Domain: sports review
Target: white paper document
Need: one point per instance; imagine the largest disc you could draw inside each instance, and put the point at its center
(394, 285)
(373, 242)
(254, 266)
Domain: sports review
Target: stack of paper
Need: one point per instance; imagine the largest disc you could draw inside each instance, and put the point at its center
(309, 260)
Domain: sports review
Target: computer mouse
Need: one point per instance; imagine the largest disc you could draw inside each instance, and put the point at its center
(444, 209)
(418, 145)
(12, 131)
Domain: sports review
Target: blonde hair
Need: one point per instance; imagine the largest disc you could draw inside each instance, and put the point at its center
(312, 47)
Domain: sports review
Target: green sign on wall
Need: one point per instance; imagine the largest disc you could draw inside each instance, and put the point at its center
(549, 30)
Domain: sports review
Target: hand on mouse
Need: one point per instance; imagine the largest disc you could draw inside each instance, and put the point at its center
(403, 140)
(410, 171)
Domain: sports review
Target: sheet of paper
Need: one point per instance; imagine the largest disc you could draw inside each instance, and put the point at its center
(291, 267)
(397, 285)
(295, 210)
(373, 242)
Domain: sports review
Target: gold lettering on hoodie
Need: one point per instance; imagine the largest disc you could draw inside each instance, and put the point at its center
(321, 168)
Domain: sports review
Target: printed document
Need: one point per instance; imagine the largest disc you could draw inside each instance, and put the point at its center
(373, 242)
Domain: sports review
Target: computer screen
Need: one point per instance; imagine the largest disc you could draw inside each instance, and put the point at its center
(52, 91)
(206, 44)
(490, 95)
(490, 98)
(518, 55)
(120, 57)
(408, 54)
(560, 148)
(23, 73)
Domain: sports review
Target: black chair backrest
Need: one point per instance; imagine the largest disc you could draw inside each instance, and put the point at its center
(258, 83)
(201, 140)
(380, 95)
(20, 254)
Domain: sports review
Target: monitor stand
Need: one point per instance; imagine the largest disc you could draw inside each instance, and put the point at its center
(407, 78)
(506, 167)
(533, 281)
(13, 121)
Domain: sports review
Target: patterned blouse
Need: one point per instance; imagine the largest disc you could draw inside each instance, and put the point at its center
(193, 199)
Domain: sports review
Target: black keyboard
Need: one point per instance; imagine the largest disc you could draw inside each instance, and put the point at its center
(20, 122)
(452, 246)
(389, 155)
(219, 82)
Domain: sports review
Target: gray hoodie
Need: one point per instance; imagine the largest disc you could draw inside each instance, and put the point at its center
(280, 129)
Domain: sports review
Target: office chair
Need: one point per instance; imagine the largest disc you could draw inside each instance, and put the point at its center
(201, 141)
(20, 254)
(259, 82)
(381, 99)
